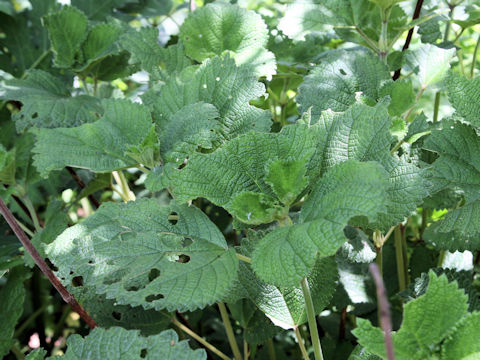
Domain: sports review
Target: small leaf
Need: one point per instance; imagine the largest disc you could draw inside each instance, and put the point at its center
(463, 94)
(67, 30)
(287, 179)
(402, 96)
(7, 166)
(254, 208)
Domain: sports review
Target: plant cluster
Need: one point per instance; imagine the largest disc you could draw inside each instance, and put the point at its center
(246, 179)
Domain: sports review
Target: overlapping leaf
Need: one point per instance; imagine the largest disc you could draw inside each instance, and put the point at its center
(457, 167)
(121, 344)
(349, 189)
(334, 83)
(463, 95)
(47, 102)
(160, 62)
(219, 27)
(362, 133)
(426, 322)
(136, 255)
(218, 81)
(102, 146)
(240, 166)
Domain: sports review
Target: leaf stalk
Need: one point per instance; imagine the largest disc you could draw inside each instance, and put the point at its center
(229, 329)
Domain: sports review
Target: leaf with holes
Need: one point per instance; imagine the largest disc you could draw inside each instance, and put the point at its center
(139, 256)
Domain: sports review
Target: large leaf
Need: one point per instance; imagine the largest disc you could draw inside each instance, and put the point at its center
(67, 30)
(239, 166)
(335, 82)
(463, 95)
(47, 102)
(430, 63)
(287, 254)
(426, 322)
(12, 297)
(220, 27)
(134, 254)
(101, 146)
(218, 81)
(120, 344)
(362, 133)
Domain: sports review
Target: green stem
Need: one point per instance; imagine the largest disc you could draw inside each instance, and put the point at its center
(436, 106)
(378, 241)
(33, 213)
(301, 345)
(17, 352)
(460, 60)
(121, 180)
(228, 327)
(367, 39)
(25, 229)
(84, 84)
(271, 350)
(474, 60)
(312, 322)
(201, 340)
(383, 39)
(245, 350)
(402, 282)
(379, 259)
(30, 319)
(244, 258)
(441, 258)
(447, 29)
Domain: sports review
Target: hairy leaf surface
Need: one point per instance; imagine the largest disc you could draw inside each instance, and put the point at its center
(101, 146)
(134, 254)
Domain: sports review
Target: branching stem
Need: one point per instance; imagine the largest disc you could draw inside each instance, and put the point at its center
(301, 345)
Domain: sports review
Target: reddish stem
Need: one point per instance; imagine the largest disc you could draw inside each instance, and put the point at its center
(82, 185)
(384, 310)
(67, 297)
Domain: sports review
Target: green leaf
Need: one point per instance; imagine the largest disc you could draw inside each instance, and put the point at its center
(463, 344)
(287, 254)
(312, 15)
(287, 179)
(12, 297)
(463, 94)
(7, 166)
(430, 30)
(334, 83)
(430, 63)
(239, 166)
(67, 29)
(48, 103)
(134, 254)
(218, 27)
(218, 81)
(37, 354)
(145, 49)
(386, 4)
(192, 128)
(99, 11)
(285, 306)
(254, 208)
(148, 151)
(427, 321)
(402, 96)
(101, 146)
(121, 344)
(363, 133)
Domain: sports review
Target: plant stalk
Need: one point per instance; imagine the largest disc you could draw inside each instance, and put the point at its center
(301, 345)
(201, 340)
(121, 180)
(229, 329)
(244, 258)
(33, 213)
(383, 39)
(383, 310)
(436, 106)
(312, 322)
(271, 350)
(66, 296)
(81, 184)
(474, 60)
(402, 282)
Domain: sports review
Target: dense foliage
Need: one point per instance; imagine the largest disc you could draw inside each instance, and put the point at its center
(215, 179)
